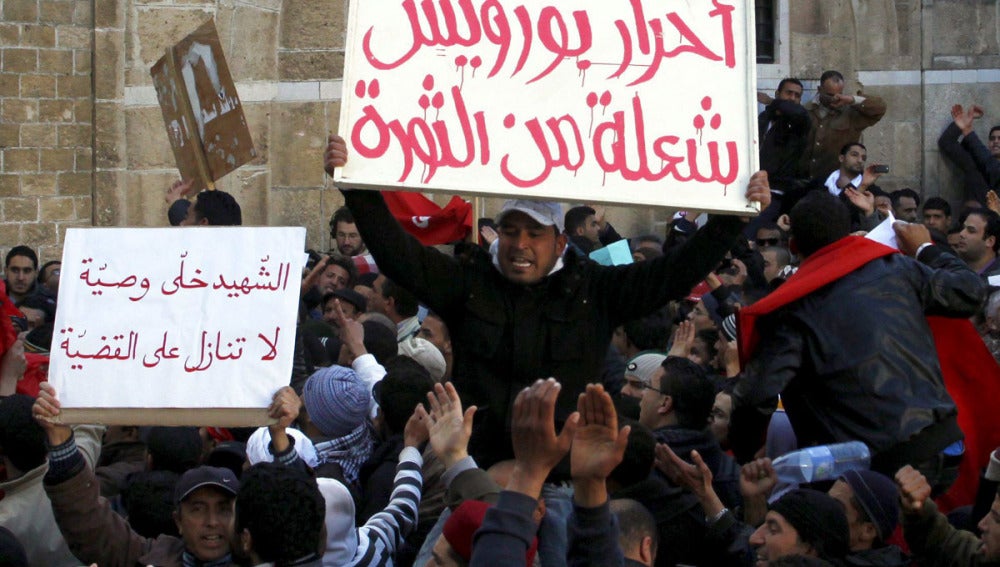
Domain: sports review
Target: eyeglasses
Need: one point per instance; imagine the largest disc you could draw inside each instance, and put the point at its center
(644, 386)
(768, 241)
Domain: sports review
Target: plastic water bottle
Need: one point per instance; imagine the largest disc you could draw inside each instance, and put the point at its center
(825, 462)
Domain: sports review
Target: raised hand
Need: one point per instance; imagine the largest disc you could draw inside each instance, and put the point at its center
(335, 155)
(46, 411)
(450, 428)
(758, 479)
(683, 340)
(914, 489)
(537, 448)
(598, 446)
(284, 409)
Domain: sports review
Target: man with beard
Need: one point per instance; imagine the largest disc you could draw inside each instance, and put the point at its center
(347, 240)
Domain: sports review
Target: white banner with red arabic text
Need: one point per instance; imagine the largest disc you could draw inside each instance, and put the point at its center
(176, 317)
(618, 101)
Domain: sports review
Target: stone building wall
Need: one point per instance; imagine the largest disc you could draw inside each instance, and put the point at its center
(82, 141)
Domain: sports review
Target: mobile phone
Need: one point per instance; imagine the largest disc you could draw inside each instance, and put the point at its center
(881, 169)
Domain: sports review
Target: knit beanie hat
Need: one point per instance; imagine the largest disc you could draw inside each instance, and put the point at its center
(425, 353)
(643, 366)
(819, 519)
(462, 524)
(337, 400)
(878, 496)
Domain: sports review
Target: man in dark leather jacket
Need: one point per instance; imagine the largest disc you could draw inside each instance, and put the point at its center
(854, 359)
(530, 312)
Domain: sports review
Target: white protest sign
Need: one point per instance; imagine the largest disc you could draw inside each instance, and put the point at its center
(623, 101)
(176, 318)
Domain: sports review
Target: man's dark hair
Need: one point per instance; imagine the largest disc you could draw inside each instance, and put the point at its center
(691, 391)
(994, 129)
(639, 455)
(576, 218)
(818, 219)
(898, 194)
(847, 147)
(827, 75)
(22, 250)
(792, 80)
(635, 523)
(283, 510)
(405, 385)
(938, 204)
(45, 266)
(148, 500)
(349, 266)
(22, 440)
(992, 227)
(175, 449)
(343, 214)
(781, 254)
(651, 332)
(380, 342)
(406, 302)
(219, 208)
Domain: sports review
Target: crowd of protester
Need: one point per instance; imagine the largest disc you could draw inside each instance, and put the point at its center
(509, 401)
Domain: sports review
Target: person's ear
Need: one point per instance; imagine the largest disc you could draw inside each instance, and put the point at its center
(176, 515)
(666, 406)
(646, 551)
(561, 241)
(246, 541)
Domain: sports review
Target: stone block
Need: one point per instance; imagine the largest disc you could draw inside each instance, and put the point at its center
(83, 13)
(159, 28)
(807, 18)
(297, 162)
(253, 55)
(38, 135)
(38, 36)
(38, 86)
(20, 160)
(20, 60)
(10, 34)
(258, 117)
(109, 77)
(83, 111)
(108, 198)
(73, 37)
(55, 12)
(109, 135)
(57, 160)
(57, 209)
(84, 159)
(9, 85)
(40, 184)
(333, 118)
(144, 198)
(18, 111)
(251, 188)
(963, 28)
(55, 110)
(39, 234)
(74, 135)
(109, 14)
(9, 185)
(300, 207)
(74, 184)
(906, 155)
(73, 86)
(20, 10)
(57, 61)
(82, 61)
(306, 65)
(148, 147)
(20, 209)
(313, 24)
(84, 208)
(10, 135)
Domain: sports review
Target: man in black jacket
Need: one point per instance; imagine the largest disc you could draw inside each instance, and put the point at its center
(529, 311)
(847, 345)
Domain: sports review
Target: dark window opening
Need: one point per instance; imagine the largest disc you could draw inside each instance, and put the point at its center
(765, 22)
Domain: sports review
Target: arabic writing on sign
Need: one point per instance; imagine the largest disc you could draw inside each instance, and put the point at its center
(213, 348)
(232, 285)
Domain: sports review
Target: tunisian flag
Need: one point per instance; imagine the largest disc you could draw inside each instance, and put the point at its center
(971, 375)
(426, 221)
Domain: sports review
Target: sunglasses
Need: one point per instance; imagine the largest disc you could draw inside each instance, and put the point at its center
(768, 241)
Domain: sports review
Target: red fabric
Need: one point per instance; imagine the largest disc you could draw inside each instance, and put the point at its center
(36, 373)
(971, 375)
(821, 268)
(426, 221)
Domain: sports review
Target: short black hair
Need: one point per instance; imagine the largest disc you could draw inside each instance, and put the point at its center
(691, 391)
(818, 219)
(651, 332)
(380, 342)
(847, 147)
(22, 250)
(148, 499)
(992, 227)
(219, 208)
(22, 440)
(994, 129)
(45, 266)
(406, 302)
(283, 510)
(792, 80)
(635, 522)
(639, 456)
(347, 264)
(938, 204)
(577, 217)
(406, 384)
(827, 75)
(781, 254)
(343, 214)
(898, 194)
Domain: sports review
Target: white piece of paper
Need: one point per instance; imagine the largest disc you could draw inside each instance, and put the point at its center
(200, 317)
(883, 233)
